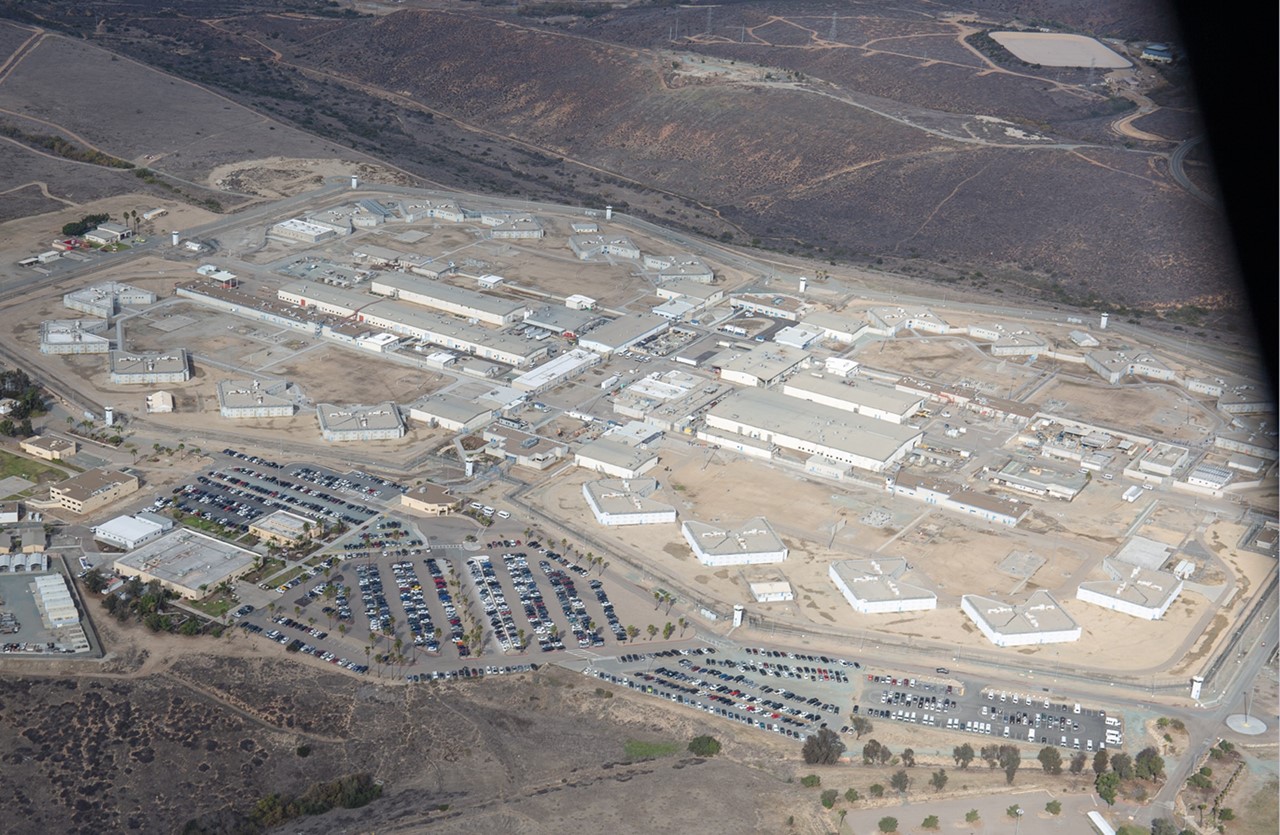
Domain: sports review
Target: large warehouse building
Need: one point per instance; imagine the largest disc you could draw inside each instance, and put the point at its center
(861, 397)
(751, 543)
(186, 562)
(874, 587)
(1040, 620)
(456, 301)
(452, 413)
(813, 429)
(619, 501)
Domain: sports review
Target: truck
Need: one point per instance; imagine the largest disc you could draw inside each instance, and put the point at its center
(1132, 494)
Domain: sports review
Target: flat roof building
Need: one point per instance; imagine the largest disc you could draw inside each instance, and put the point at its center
(813, 429)
(1038, 480)
(762, 366)
(950, 496)
(835, 326)
(249, 399)
(862, 397)
(48, 447)
(616, 458)
(92, 489)
(618, 501)
(887, 321)
(304, 231)
(551, 374)
(105, 300)
(187, 563)
(771, 591)
(751, 543)
(1038, 620)
(1132, 590)
(624, 332)
(128, 532)
(74, 336)
(54, 601)
(378, 422)
(1113, 366)
(456, 301)
(522, 448)
(596, 246)
(430, 499)
(148, 368)
(874, 586)
(561, 320)
(283, 528)
(455, 414)
(679, 267)
(776, 305)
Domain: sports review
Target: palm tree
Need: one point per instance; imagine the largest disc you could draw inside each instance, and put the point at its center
(652, 630)
(657, 599)
(683, 623)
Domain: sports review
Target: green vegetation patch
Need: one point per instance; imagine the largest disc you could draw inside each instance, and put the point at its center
(637, 749)
(16, 465)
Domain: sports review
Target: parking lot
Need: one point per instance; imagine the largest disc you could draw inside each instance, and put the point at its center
(394, 587)
(1018, 716)
(788, 693)
(249, 487)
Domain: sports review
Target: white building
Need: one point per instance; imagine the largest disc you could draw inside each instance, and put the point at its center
(455, 414)
(862, 397)
(457, 301)
(54, 601)
(1113, 366)
(623, 333)
(359, 423)
(874, 586)
(1039, 620)
(250, 399)
(147, 368)
(1132, 590)
(596, 246)
(887, 321)
(160, 402)
(615, 502)
(74, 336)
(554, 372)
(775, 591)
(751, 543)
(615, 458)
(304, 231)
(959, 499)
(835, 326)
(128, 532)
(772, 418)
(762, 366)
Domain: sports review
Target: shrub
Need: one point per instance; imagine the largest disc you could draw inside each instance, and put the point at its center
(888, 824)
(704, 746)
(852, 796)
(811, 781)
(876, 790)
(972, 816)
(829, 798)
(930, 822)
(1053, 807)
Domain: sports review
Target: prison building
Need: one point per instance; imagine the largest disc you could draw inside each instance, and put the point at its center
(138, 368)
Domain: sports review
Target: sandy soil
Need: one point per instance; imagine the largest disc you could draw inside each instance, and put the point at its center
(35, 233)
(276, 177)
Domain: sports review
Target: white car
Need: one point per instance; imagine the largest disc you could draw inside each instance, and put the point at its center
(502, 514)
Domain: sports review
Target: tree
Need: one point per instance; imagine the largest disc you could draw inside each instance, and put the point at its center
(900, 781)
(1163, 826)
(875, 790)
(704, 746)
(1010, 758)
(811, 781)
(909, 757)
(652, 630)
(1050, 760)
(861, 725)
(852, 796)
(94, 581)
(823, 748)
(990, 753)
(938, 779)
(1078, 760)
(888, 824)
(972, 816)
(963, 755)
(1122, 764)
(871, 751)
(1053, 807)
(930, 822)
(1014, 811)
(829, 798)
(1106, 785)
(1149, 765)
(668, 630)
(1100, 762)
(633, 632)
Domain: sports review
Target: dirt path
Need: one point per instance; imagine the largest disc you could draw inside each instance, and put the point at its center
(24, 49)
(44, 189)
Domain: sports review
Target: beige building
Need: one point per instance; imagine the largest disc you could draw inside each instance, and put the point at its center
(283, 528)
(93, 489)
(49, 448)
(430, 499)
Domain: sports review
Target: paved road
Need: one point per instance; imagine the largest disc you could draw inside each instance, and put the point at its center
(1177, 162)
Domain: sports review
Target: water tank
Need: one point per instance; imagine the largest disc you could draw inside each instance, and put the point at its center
(175, 237)
(355, 181)
(109, 416)
(1102, 322)
(608, 213)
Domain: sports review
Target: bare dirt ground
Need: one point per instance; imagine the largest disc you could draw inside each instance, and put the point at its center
(947, 361)
(276, 177)
(1159, 411)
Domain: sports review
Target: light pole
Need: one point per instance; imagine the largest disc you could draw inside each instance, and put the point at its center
(1017, 820)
